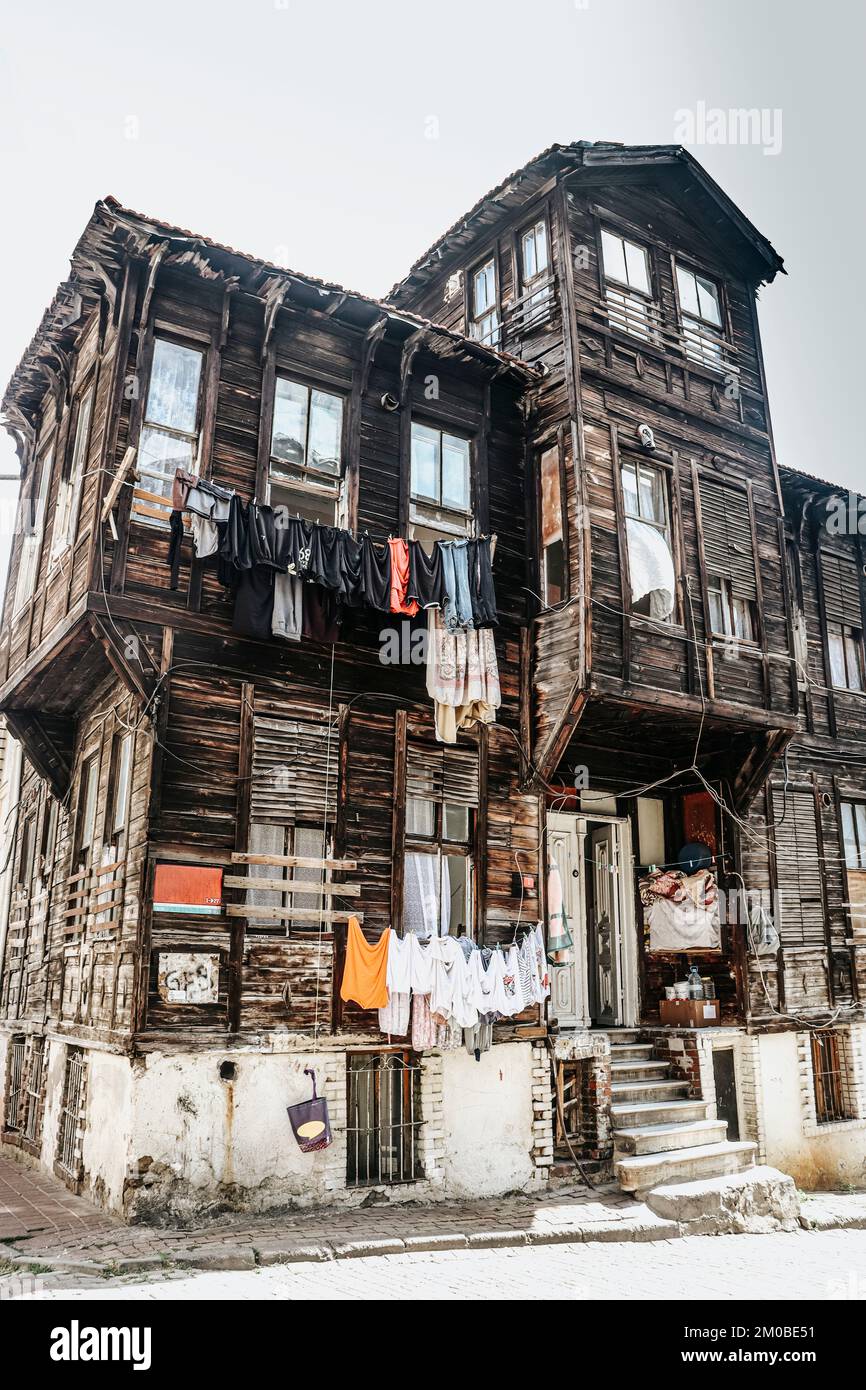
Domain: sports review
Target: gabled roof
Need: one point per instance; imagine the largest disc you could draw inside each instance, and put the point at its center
(522, 185)
(114, 231)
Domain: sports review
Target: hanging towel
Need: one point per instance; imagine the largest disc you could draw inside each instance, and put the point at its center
(559, 939)
(366, 971)
(205, 536)
(288, 616)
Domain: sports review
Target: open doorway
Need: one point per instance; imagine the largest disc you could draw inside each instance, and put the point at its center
(597, 985)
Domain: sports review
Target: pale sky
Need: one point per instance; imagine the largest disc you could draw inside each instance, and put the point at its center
(298, 130)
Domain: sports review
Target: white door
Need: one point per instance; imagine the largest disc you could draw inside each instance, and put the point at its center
(569, 1002)
(605, 927)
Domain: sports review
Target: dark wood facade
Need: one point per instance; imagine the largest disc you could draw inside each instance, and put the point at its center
(673, 707)
(103, 646)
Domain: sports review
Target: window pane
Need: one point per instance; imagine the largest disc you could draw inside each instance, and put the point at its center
(637, 267)
(530, 260)
(300, 501)
(121, 790)
(484, 289)
(161, 454)
(688, 291)
(424, 911)
(420, 817)
(849, 836)
(554, 573)
(708, 299)
(541, 247)
(551, 497)
(651, 495)
(326, 427)
(456, 871)
(289, 435)
(425, 462)
(743, 619)
(718, 609)
(265, 839)
(88, 819)
(629, 489)
(172, 397)
(860, 818)
(457, 823)
(455, 473)
(837, 657)
(852, 661)
(613, 254)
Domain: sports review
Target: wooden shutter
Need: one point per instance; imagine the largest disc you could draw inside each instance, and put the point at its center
(728, 546)
(798, 866)
(442, 774)
(841, 584)
(294, 779)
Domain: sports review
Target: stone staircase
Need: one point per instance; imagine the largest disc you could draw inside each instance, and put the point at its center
(660, 1135)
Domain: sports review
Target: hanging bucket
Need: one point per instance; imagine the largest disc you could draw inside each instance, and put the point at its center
(309, 1119)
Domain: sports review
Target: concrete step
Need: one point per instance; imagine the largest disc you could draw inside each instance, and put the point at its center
(657, 1139)
(639, 1113)
(621, 1091)
(639, 1173)
(619, 1052)
(635, 1069)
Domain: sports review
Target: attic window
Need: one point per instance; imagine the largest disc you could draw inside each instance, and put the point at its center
(701, 315)
(628, 286)
(484, 310)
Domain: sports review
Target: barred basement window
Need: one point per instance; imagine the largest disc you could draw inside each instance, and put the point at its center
(830, 1076)
(71, 1115)
(35, 1097)
(15, 1089)
(384, 1118)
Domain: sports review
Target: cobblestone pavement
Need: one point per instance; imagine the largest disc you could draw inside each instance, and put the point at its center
(47, 1233)
(804, 1265)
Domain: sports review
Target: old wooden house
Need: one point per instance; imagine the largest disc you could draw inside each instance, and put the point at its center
(689, 681)
(194, 809)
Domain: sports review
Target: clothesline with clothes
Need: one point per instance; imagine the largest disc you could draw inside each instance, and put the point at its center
(446, 990)
(294, 579)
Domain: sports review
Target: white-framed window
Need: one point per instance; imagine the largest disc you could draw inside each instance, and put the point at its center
(701, 316)
(845, 645)
(628, 285)
(484, 305)
(440, 484)
(535, 273)
(730, 615)
(169, 436)
(306, 451)
(648, 532)
(69, 494)
(31, 527)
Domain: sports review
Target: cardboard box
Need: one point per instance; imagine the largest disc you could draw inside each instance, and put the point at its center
(690, 1013)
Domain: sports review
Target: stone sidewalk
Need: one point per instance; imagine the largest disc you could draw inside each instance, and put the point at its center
(45, 1228)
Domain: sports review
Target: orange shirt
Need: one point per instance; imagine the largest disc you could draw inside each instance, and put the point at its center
(400, 578)
(365, 973)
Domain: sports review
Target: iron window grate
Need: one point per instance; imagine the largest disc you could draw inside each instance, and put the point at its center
(70, 1118)
(383, 1119)
(33, 1120)
(834, 1100)
(17, 1066)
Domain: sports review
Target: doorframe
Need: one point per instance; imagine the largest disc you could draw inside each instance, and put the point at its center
(628, 942)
